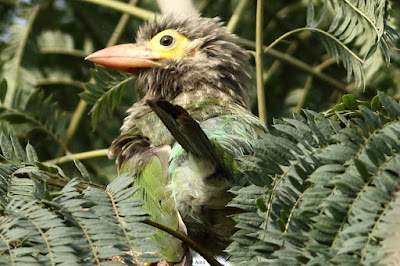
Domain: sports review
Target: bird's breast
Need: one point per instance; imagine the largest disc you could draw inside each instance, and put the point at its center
(194, 189)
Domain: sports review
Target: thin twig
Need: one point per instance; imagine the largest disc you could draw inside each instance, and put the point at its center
(75, 120)
(274, 66)
(119, 29)
(309, 80)
(126, 8)
(18, 57)
(56, 81)
(78, 156)
(233, 21)
(203, 4)
(299, 64)
(199, 249)
(262, 108)
(71, 52)
(80, 110)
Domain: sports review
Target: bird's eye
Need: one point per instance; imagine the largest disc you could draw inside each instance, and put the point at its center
(167, 40)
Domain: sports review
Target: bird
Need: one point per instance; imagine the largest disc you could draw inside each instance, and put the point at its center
(182, 141)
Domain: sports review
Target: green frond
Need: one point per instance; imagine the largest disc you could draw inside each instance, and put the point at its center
(40, 113)
(50, 42)
(36, 230)
(108, 89)
(323, 191)
(19, 79)
(360, 22)
(329, 192)
(320, 190)
(351, 62)
(72, 226)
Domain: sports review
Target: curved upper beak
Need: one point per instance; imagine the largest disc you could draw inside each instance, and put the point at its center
(125, 57)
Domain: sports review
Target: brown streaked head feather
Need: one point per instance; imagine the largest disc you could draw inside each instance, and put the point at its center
(218, 64)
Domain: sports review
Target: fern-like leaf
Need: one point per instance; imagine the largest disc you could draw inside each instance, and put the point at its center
(41, 113)
(108, 89)
(20, 81)
(93, 226)
(330, 189)
(363, 22)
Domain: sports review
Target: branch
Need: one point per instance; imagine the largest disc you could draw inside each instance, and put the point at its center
(72, 52)
(55, 81)
(19, 55)
(299, 64)
(233, 21)
(119, 29)
(79, 111)
(126, 8)
(262, 107)
(78, 156)
(307, 85)
(199, 249)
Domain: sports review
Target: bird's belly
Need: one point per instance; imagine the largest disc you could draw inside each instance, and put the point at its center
(195, 185)
(201, 196)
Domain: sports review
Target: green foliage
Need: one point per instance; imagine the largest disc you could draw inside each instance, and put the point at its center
(323, 191)
(323, 184)
(329, 195)
(340, 51)
(358, 22)
(108, 89)
(79, 224)
(18, 77)
(42, 114)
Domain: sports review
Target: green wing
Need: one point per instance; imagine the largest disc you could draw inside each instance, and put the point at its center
(188, 133)
(219, 139)
(203, 166)
(148, 165)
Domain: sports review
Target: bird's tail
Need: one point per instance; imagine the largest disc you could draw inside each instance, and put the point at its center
(188, 133)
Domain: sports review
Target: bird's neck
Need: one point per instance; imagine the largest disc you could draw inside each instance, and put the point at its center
(185, 86)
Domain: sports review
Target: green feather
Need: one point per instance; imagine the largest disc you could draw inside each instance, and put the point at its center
(153, 180)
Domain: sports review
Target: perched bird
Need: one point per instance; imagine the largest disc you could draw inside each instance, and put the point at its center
(181, 141)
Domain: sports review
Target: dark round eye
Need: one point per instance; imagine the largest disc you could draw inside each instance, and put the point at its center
(166, 40)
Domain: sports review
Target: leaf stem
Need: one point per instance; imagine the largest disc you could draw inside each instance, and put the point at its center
(233, 21)
(299, 64)
(119, 29)
(364, 15)
(262, 108)
(199, 249)
(55, 81)
(315, 30)
(71, 52)
(126, 8)
(75, 120)
(307, 85)
(28, 116)
(18, 57)
(78, 156)
(56, 181)
(79, 111)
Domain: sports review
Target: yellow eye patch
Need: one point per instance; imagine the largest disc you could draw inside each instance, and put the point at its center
(170, 44)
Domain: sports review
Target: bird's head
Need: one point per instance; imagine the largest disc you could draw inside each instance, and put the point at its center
(183, 54)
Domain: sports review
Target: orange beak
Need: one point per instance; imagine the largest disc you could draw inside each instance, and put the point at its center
(125, 57)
